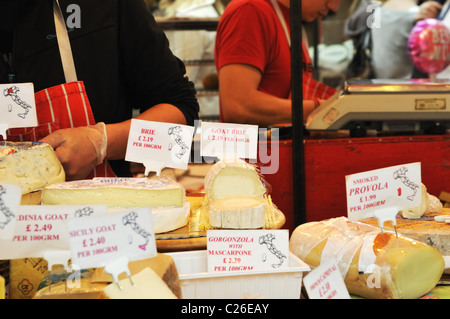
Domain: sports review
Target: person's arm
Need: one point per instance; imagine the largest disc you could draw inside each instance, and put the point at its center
(242, 102)
(80, 149)
(118, 133)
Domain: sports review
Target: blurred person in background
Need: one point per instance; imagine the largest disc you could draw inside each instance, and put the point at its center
(253, 61)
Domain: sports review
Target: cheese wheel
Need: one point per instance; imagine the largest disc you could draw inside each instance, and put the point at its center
(165, 196)
(116, 192)
(237, 212)
(372, 267)
(32, 165)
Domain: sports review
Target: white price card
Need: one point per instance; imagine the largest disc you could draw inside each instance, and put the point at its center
(158, 145)
(247, 250)
(40, 228)
(99, 240)
(396, 186)
(225, 140)
(18, 106)
(326, 282)
(10, 196)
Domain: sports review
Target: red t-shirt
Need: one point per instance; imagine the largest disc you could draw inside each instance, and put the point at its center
(250, 32)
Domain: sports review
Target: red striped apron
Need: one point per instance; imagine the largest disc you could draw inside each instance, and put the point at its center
(61, 106)
(313, 89)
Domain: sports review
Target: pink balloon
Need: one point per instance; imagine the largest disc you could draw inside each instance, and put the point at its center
(429, 46)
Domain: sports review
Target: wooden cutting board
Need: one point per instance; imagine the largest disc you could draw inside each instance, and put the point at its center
(424, 229)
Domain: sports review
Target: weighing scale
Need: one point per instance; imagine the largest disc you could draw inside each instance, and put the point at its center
(385, 106)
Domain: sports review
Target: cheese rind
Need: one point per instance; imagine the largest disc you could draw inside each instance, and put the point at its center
(237, 212)
(32, 165)
(144, 285)
(116, 192)
(166, 219)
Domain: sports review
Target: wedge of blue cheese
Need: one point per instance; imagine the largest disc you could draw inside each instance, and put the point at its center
(32, 165)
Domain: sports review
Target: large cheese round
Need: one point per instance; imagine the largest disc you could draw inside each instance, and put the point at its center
(165, 196)
(116, 192)
(32, 165)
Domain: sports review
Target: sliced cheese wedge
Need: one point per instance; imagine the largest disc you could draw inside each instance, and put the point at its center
(237, 212)
(429, 204)
(32, 165)
(144, 285)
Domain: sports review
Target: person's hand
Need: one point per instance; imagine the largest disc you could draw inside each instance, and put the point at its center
(428, 9)
(79, 149)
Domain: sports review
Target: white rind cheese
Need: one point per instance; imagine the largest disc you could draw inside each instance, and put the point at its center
(166, 197)
(235, 195)
(165, 219)
(32, 165)
(116, 192)
(237, 212)
(229, 178)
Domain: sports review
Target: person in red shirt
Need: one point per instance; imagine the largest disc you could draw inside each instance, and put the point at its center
(253, 60)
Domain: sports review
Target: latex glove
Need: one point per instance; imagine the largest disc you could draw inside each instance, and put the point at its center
(79, 149)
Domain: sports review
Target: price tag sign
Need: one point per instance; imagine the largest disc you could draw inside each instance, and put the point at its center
(377, 190)
(247, 250)
(18, 107)
(40, 228)
(326, 282)
(226, 140)
(10, 196)
(99, 240)
(158, 145)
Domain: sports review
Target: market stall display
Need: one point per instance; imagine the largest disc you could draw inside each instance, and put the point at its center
(92, 283)
(430, 229)
(373, 266)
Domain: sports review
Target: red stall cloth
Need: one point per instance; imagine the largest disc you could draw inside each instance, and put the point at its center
(328, 161)
(275, 162)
